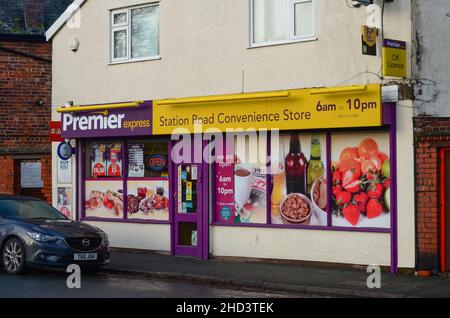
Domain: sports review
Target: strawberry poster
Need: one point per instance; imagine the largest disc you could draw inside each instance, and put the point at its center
(361, 194)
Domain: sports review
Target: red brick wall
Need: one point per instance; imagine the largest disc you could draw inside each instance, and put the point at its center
(6, 175)
(24, 82)
(431, 134)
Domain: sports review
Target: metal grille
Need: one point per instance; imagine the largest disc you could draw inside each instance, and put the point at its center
(84, 244)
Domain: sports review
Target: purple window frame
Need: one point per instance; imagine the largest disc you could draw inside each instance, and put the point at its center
(388, 126)
(124, 141)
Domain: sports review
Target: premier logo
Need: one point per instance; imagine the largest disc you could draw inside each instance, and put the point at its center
(92, 122)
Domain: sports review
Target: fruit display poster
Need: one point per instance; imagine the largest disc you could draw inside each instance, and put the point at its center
(361, 180)
(104, 199)
(299, 186)
(148, 199)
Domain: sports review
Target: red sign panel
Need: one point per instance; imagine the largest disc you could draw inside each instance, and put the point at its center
(55, 131)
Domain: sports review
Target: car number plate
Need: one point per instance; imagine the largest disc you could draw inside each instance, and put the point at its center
(85, 257)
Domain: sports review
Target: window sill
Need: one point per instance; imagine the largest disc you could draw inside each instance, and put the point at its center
(122, 220)
(306, 39)
(305, 227)
(136, 60)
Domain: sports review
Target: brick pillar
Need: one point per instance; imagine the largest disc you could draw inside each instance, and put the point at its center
(46, 162)
(427, 194)
(6, 175)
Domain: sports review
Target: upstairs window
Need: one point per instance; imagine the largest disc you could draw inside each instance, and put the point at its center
(281, 21)
(135, 33)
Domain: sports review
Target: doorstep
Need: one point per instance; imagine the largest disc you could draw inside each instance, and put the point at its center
(270, 276)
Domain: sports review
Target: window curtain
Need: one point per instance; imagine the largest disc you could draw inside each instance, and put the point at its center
(271, 20)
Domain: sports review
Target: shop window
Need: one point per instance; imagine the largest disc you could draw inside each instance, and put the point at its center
(361, 180)
(135, 33)
(281, 21)
(147, 159)
(104, 199)
(241, 185)
(130, 176)
(104, 160)
(298, 180)
(292, 188)
(148, 183)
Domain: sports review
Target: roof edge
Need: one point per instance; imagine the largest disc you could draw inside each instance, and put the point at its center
(22, 37)
(63, 18)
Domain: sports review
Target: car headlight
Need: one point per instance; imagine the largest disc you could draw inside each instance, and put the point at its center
(39, 237)
(104, 236)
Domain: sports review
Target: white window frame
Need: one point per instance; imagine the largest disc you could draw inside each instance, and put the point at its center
(292, 37)
(127, 27)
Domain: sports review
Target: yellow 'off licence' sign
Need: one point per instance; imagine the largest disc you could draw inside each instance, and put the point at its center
(394, 58)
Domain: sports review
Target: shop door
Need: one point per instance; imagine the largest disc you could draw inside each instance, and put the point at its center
(189, 235)
(445, 210)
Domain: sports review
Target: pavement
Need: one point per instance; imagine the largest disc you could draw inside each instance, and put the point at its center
(289, 278)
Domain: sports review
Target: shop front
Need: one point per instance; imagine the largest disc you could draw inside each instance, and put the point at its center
(305, 174)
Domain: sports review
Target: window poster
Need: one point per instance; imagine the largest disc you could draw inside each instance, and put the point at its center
(64, 170)
(136, 168)
(225, 192)
(187, 189)
(250, 186)
(64, 203)
(299, 186)
(361, 180)
(104, 199)
(148, 199)
(114, 162)
(98, 160)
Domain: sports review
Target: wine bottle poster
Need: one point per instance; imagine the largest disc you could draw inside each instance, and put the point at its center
(299, 186)
(361, 179)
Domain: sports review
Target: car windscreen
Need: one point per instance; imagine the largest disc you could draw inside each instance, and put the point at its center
(28, 209)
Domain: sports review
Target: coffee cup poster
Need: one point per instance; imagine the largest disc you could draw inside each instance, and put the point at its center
(241, 188)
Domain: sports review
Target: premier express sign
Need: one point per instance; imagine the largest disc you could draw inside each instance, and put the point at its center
(108, 123)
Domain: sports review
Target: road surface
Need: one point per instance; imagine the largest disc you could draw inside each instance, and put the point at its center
(105, 285)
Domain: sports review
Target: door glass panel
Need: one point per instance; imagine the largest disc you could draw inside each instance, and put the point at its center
(187, 234)
(187, 188)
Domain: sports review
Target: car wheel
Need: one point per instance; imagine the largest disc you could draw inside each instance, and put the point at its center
(13, 257)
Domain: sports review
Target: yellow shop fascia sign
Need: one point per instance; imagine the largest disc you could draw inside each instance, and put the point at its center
(300, 109)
